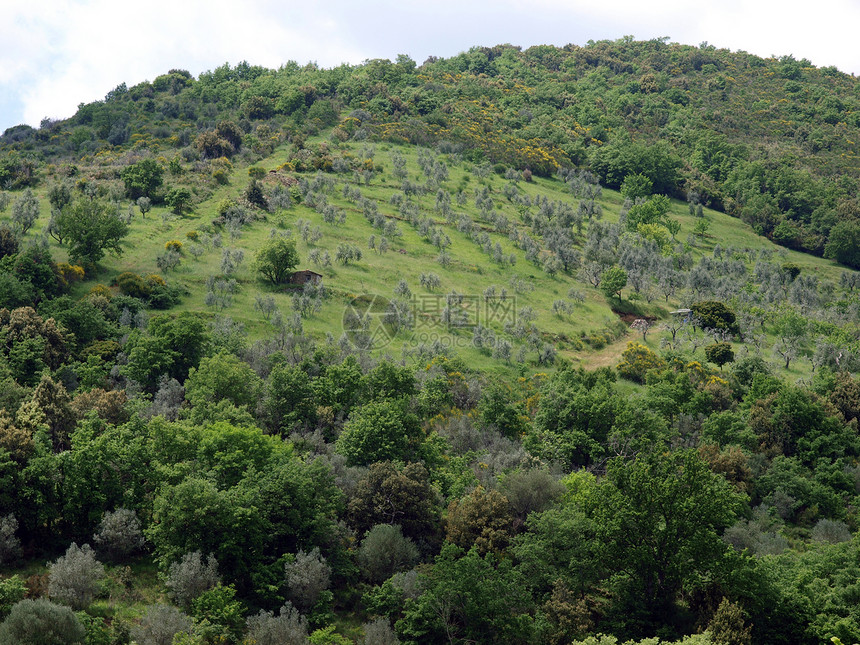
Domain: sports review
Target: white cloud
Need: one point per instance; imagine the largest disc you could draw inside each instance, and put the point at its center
(58, 53)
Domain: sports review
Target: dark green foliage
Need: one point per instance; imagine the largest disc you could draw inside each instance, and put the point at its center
(714, 315)
(36, 267)
(719, 353)
(389, 494)
(171, 345)
(289, 399)
(658, 521)
(254, 195)
(843, 244)
(8, 241)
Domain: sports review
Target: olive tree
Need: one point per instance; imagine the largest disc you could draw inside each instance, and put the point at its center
(75, 577)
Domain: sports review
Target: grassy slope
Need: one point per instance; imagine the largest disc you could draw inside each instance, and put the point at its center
(470, 272)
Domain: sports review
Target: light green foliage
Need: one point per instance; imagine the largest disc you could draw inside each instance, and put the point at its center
(613, 280)
(651, 211)
(11, 592)
(179, 200)
(91, 227)
(142, 179)
(636, 185)
(379, 431)
(637, 360)
(218, 615)
(482, 599)
(276, 258)
(222, 377)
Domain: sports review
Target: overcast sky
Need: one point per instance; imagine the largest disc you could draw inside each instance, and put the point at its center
(56, 54)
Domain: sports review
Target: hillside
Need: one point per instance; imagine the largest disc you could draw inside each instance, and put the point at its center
(576, 354)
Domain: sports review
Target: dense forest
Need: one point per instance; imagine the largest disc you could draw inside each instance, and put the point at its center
(545, 346)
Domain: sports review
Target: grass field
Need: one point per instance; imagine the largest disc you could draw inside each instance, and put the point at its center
(469, 273)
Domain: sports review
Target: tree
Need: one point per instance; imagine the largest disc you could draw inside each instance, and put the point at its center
(482, 519)
(276, 259)
(791, 330)
(612, 281)
(468, 598)
(190, 577)
(8, 241)
(307, 576)
(713, 314)
(74, 578)
(179, 200)
(650, 211)
(160, 624)
(658, 520)
(379, 431)
(144, 204)
(288, 628)
(384, 551)
(91, 227)
(843, 243)
(142, 179)
(402, 495)
(25, 211)
(41, 622)
(636, 185)
(220, 377)
(119, 534)
(719, 354)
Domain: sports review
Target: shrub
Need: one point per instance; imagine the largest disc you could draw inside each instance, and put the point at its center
(831, 531)
(41, 622)
(190, 577)
(719, 354)
(384, 552)
(132, 285)
(11, 592)
(712, 314)
(75, 577)
(10, 546)
(160, 624)
(119, 533)
(173, 245)
(307, 577)
(636, 361)
(218, 609)
(289, 628)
